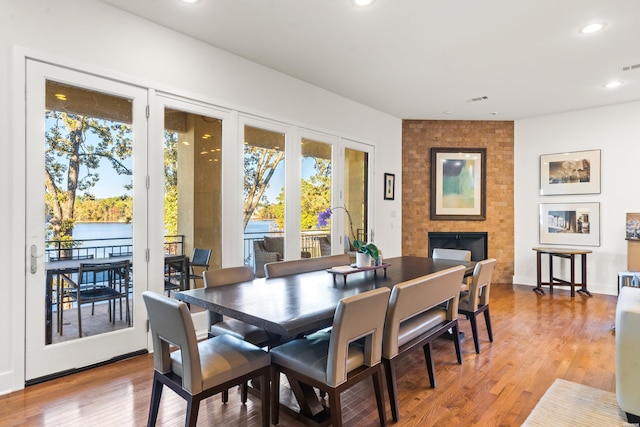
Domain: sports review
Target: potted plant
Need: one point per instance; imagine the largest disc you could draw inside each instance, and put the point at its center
(365, 252)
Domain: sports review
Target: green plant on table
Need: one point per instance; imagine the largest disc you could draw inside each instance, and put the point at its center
(366, 248)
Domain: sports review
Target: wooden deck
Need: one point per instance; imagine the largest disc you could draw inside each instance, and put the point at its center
(538, 338)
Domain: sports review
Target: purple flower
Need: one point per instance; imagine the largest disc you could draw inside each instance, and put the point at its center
(323, 218)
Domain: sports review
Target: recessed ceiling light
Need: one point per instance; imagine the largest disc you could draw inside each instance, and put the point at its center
(592, 28)
(362, 2)
(613, 84)
(190, 1)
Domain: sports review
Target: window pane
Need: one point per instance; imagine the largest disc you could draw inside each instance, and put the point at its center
(89, 209)
(193, 171)
(263, 211)
(356, 188)
(315, 197)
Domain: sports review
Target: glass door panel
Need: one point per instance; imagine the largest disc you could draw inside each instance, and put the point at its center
(316, 197)
(264, 200)
(82, 162)
(193, 187)
(356, 193)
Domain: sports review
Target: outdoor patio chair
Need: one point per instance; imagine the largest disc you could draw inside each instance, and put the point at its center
(200, 258)
(176, 273)
(101, 282)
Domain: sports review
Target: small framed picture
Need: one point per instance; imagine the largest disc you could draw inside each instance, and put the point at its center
(577, 172)
(389, 186)
(570, 223)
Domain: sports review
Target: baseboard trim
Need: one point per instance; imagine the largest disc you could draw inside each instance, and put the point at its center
(85, 368)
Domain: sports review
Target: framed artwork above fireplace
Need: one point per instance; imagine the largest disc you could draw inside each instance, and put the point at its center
(458, 180)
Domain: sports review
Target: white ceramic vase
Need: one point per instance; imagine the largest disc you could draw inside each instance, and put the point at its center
(363, 260)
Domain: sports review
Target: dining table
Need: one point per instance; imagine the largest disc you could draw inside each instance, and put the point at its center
(298, 304)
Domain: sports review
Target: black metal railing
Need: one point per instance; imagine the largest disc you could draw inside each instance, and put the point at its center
(309, 242)
(58, 250)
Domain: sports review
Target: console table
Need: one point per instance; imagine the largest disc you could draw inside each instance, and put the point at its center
(564, 253)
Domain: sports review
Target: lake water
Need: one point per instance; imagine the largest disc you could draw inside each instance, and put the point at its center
(113, 230)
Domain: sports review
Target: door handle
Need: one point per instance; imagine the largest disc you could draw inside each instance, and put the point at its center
(34, 259)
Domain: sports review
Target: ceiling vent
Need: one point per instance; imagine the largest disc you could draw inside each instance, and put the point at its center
(480, 98)
(631, 67)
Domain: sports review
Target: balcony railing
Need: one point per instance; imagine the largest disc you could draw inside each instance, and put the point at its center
(309, 242)
(57, 250)
(173, 244)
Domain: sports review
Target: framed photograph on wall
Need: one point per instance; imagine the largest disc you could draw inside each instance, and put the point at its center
(633, 226)
(389, 186)
(570, 224)
(458, 179)
(577, 172)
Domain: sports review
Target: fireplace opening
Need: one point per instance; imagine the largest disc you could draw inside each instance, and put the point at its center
(476, 242)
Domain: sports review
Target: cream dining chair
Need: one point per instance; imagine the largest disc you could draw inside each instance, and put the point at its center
(198, 370)
(454, 255)
(420, 310)
(476, 299)
(219, 325)
(334, 362)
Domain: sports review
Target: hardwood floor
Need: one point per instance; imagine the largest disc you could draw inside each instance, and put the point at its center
(536, 340)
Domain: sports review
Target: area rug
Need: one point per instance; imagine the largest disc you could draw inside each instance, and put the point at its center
(566, 403)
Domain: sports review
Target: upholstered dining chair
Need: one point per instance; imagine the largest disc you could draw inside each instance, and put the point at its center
(456, 255)
(220, 326)
(420, 310)
(476, 299)
(198, 370)
(348, 355)
(239, 329)
(286, 268)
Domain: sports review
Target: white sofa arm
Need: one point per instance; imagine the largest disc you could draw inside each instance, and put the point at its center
(628, 352)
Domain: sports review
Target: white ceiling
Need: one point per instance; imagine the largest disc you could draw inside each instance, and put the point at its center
(425, 59)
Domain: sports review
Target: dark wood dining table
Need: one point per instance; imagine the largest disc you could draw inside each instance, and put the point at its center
(297, 304)
(301, 303)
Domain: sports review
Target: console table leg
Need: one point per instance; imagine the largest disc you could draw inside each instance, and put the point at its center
(538, 287)
(573, 276)
(551, 279)
(583, 288)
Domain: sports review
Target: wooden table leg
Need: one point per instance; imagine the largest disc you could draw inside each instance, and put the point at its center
(573, 275)
(551, 279)
(538, 287)
(306, 396)
(583, 288)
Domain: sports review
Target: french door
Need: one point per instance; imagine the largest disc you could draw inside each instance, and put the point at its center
(356, 183)
(86, 202)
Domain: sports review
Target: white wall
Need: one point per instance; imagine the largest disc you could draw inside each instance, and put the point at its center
(91, 36)
(616, 131)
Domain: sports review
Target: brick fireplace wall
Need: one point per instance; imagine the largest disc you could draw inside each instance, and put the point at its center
(418, 136)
